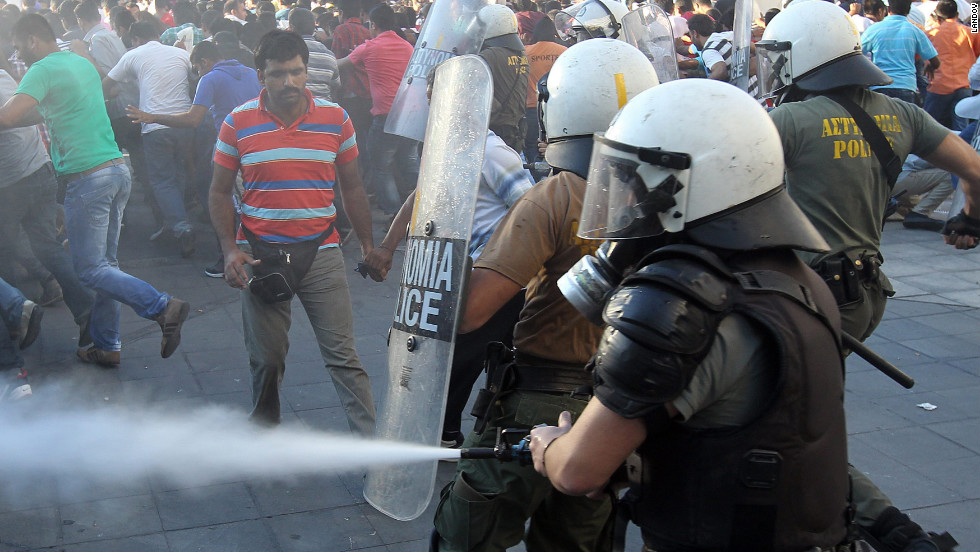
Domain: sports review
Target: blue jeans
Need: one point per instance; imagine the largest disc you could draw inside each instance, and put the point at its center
(940, 106)
(904, 94)
(94, 207)
(167, 151)
(30, 203)
(11, 307)
(390, 152)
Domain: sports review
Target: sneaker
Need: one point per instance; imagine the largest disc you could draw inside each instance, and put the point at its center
(451, 440)
(186, 243)
(30, 324)
(14, 385)
(52, 292)
(158, 234)
(918, 221)
(170, 320)
(217, 270)
(94, 355)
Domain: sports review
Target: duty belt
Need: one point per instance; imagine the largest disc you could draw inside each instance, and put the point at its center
(505, 374)
(845, 277)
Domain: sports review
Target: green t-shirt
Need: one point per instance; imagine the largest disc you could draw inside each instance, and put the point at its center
(69, 96)
(833, 175)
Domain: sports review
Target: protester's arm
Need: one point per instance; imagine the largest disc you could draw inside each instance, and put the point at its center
(356, 205)
(931, 66)
(110, 88)
(378, 261)
(582, 460)
(958, 157)
(19, 111)
(187, 119)
(719, 71)
(345, 68)
(222, 209)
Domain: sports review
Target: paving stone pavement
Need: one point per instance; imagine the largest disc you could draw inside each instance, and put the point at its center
(928, 461)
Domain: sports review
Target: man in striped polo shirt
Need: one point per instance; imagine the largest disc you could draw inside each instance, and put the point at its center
(291, 149)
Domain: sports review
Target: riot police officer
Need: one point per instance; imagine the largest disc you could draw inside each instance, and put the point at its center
(720, 361)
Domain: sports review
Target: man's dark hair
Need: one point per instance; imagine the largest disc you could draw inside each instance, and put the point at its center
(701, 23)
(230, 5)
(307, 4)
(87, 11)
(302, 21)
(67, 12)
(552, 5)
(715, 16)
(382, 17)
(265, 6)
(120, 19)
(205, 50)
(227, 44)
(144, 30)
(684, 6)
(281, 46)
(728, 20)
(208, 18)
(544, 31)
(32, 24)
(185, 12)
(874, 7)
(770, 13)
(350, 8)
(899, 7)
(947, 9)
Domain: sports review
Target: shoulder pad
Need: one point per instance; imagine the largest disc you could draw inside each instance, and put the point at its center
(661, 323)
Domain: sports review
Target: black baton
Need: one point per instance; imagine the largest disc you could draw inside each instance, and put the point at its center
(877, 361)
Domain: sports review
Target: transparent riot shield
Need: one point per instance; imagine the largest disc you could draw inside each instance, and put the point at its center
(451, 28)
(739, 74)
(420, 342)
(648, 28)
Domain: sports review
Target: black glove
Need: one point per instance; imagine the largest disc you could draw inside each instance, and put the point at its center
(963, 225)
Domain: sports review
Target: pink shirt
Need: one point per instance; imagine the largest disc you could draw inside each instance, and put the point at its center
(384, 59)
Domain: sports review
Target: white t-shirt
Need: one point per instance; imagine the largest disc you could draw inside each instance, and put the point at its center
(861, 22)
(678, 26)
(503, 180)
(162, 73)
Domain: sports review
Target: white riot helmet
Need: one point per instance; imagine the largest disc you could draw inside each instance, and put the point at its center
(591, 19)
(815, 47)
(587, 85)
(663, 169)
(500, 26)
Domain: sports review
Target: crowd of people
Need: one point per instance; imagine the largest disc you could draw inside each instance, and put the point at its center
(699, 313)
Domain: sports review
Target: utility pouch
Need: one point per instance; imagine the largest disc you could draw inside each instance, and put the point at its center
(842, 279)
(283, 266)
(499, 366)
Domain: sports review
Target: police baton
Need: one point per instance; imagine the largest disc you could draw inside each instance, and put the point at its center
(877, 361)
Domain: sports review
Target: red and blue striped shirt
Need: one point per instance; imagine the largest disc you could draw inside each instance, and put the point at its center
(288, 172)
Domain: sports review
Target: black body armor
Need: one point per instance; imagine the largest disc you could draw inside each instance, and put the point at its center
(778, 483)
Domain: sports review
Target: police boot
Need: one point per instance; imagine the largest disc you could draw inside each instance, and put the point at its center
(897, 533)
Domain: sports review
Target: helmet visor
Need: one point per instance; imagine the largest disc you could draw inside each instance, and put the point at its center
(590, 19)
(618, 202)
(775, 67)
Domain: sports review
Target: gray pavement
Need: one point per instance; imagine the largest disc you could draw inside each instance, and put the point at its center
(928, 461)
